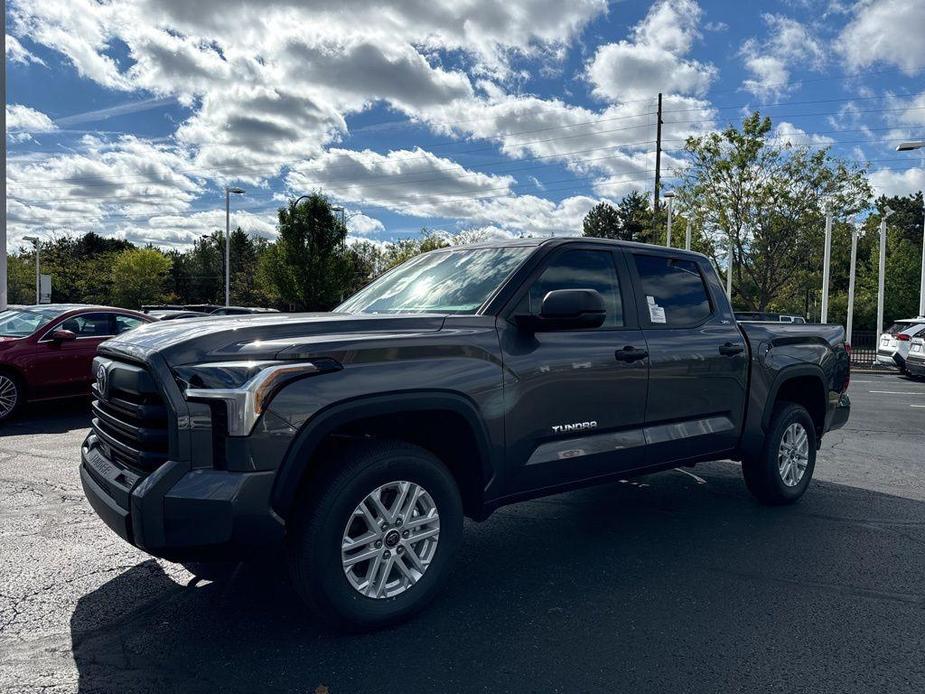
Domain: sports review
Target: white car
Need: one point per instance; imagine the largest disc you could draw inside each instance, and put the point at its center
(894, 344)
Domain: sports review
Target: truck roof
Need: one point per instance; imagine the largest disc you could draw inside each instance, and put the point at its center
(560, 240)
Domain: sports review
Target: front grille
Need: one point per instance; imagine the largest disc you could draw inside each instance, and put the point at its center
(129, 416)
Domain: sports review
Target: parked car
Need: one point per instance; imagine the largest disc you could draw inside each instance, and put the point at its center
(241, 310)
(47, 350)
(915, 360)
(894, 344)
(463, 380)
(764, 317)
(173, 314)
(209, 309)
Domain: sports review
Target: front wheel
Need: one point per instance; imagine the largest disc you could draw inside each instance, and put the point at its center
(782, 471)
(375, 544)
(11, 395)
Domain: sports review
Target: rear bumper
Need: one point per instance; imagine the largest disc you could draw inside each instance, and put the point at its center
(183, 514)
(841, 412)
(916, 367)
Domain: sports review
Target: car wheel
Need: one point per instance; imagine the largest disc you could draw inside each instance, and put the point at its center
(376, 542)
(782, 471)
(11, 395)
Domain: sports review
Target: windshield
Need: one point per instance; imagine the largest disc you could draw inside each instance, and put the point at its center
(452, 281)
(16, 322)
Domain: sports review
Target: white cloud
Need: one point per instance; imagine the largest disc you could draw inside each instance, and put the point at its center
(420, 184)
(626, 70)
(886, 182)
(888, 31)
(25, 119)
(17, 53)
(788, 133)
(102, 184)
(363, 225)
(789, 43)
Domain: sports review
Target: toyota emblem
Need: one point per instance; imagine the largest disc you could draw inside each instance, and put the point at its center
(101, 378)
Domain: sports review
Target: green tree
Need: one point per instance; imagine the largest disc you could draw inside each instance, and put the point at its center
(768, 200)
(308, 268)
(138, 277)
(602, 222)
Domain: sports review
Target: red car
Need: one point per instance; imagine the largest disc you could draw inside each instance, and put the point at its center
(46, 351)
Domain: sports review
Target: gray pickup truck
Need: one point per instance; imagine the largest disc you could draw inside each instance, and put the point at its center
(465, 379)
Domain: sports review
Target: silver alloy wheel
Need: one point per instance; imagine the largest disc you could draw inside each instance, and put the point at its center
(390, 539)
(793, 454)
(8, 395)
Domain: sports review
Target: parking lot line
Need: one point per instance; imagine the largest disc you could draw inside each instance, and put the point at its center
(896, 392)
(916, 405)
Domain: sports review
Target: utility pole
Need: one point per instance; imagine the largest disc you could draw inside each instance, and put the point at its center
(658, 153)
(687, 236)
(854, 258)
(882, 271)
(826, 261)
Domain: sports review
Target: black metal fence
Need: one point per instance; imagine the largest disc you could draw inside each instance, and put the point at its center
(863, 347)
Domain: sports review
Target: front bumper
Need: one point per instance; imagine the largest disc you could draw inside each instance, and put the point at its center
(180, 513)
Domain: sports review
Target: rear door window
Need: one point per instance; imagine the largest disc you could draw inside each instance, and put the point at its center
(673, 291)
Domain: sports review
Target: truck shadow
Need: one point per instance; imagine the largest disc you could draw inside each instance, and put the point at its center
(665, 583)
(49, 417)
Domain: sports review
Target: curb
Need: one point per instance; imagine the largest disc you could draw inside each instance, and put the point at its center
(869, 370)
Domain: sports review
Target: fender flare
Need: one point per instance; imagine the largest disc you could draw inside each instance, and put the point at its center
(786, 374)
(298, 457)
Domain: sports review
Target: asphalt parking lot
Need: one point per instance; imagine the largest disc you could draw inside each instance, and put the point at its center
(675, 582)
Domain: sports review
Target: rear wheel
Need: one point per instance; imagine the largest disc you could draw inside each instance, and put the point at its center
(782, 471)
(376, 542)
(11, 395)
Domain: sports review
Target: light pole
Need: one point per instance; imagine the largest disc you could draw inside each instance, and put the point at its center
(826, 261)
(687, 236)
(882, 270)
(670, 197)
(907, 147)
(854, 258)
(228, 192)
(36, 241)
(729, 261)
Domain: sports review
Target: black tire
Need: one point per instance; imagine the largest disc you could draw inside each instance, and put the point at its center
(317, 531)
(7, 380)
(762, 472)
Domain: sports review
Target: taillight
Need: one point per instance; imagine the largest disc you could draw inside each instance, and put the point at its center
(902, 337)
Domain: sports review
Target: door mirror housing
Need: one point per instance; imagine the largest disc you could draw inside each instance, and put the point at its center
(567, 309)
(62, 335)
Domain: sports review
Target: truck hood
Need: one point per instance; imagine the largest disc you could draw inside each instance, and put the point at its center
(270, 336)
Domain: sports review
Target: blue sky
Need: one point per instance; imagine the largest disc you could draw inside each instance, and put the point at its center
(495, 116)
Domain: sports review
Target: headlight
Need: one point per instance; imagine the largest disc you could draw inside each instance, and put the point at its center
(245, 387)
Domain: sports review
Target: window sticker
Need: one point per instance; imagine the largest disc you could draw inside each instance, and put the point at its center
(656, 312)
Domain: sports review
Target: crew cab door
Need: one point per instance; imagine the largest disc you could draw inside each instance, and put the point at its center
(698, 359)
(574, 399)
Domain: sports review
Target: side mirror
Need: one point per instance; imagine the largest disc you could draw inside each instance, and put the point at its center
(62, 335)
(567, 309)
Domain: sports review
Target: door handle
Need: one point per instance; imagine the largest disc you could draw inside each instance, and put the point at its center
(630, 353)
(731, 349)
